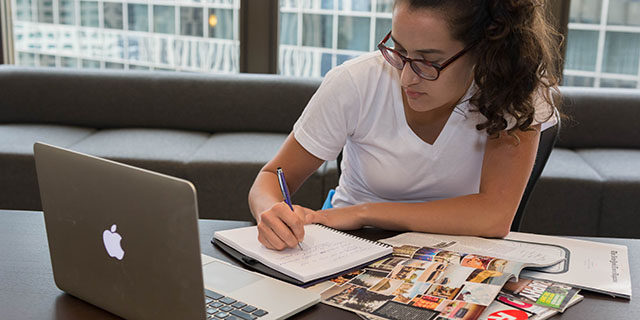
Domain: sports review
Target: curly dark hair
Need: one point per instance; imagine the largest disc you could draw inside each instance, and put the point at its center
(516, 52)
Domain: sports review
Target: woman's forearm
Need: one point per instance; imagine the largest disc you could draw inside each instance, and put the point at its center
(264, 193)
(475, 214)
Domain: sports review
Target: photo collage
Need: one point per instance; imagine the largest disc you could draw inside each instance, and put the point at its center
(421, 283)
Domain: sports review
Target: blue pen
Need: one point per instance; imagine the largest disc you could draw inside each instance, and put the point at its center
(285, 191)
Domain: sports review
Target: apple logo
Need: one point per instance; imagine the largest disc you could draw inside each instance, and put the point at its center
(111, 241)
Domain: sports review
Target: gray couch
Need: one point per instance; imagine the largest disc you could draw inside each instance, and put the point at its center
(218, 130)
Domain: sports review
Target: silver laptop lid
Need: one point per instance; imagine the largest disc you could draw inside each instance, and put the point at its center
(91, 206)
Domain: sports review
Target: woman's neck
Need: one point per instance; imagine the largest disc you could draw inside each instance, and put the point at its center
(428, 124)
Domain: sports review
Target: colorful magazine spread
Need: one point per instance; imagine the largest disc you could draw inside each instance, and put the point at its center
(509, 307)
(423, 283)
(506, 307)
(542, 293)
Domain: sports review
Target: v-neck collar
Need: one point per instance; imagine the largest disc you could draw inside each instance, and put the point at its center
(457, 115)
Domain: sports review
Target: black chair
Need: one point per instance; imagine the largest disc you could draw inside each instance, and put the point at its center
(548, 140)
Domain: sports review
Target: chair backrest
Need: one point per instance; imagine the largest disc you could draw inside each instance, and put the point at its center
(548, 139)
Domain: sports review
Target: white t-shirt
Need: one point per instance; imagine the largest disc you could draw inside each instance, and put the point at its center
(359, 107)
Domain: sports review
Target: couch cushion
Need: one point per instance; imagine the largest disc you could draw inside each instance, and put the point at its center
(224, 169)
(18, 180)
(567, 198)
(160, 150)
(620, 170)
(600, 118)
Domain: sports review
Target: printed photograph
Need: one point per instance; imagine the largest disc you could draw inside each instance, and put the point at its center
(454, 276)
(448, 257)
(402, 293)
(386, 286)
(517, 286)
(488, 277)
(426, 302)
(497, 265)
(364, 300)
(394, 310)
(346, 277)
(441, 291)
(476, 261)
(478, 293)
(404, 273)
(405, 251)
(425, 254)
(419, 288)
(386, 264)
(449, 306)
(432, 272)
(338, 294)
(368, 278)
(460, 310)
(416, 263)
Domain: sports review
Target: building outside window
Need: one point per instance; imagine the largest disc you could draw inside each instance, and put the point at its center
(317, 35)
(603, 44)
(603, 41)
(184, 35)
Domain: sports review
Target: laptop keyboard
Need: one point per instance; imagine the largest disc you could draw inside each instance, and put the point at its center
(223, 307)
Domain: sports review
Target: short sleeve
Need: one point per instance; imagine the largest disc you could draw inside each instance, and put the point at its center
(544, 112)
(330, 116)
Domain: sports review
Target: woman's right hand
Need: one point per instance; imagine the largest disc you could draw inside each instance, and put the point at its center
(280, 228)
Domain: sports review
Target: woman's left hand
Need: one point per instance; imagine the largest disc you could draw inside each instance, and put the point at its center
(337, 218)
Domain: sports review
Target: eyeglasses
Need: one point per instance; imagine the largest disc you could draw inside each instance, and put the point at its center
(424, 69)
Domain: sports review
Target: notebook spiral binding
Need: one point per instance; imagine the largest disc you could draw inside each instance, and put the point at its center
(352, 236)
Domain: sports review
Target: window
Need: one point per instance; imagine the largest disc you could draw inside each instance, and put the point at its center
(185, 35)
(603, 44)
(603, 40)
(317, 35)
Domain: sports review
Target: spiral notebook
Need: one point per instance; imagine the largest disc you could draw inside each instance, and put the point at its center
(326, 252)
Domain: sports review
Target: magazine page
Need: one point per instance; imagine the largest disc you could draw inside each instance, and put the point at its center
(515, 250)
(542, 293)
(510, 300)
(505, 305)
(464, 259)
(500, 311)
(423, 286)
(509, 309)
(550, 312)
(595, 266)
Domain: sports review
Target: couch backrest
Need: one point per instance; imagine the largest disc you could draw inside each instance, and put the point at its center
(113, 99)
(600, 118)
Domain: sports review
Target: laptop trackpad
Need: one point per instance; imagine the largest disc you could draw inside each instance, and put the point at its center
(227, 278)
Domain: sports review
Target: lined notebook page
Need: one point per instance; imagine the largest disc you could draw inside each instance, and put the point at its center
(325, 251)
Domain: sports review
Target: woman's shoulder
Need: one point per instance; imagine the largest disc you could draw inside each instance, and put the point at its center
(367, 66)
(364, 61)
(366, 74)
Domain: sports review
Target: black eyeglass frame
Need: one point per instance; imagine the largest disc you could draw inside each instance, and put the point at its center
(438, 67)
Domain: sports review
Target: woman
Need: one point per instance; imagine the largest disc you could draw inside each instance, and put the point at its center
(439, 131)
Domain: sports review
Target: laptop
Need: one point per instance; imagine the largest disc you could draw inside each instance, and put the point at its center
(126, 240)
